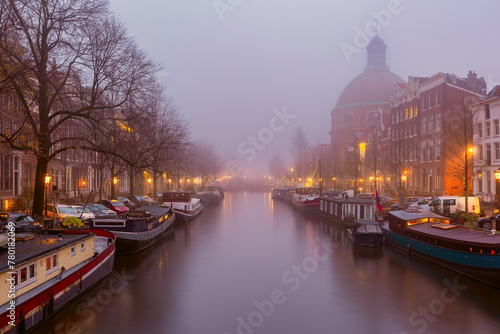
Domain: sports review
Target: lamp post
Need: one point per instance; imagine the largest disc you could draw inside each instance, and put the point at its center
(47, 181)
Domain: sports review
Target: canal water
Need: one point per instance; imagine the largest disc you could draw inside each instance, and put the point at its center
(254, 265)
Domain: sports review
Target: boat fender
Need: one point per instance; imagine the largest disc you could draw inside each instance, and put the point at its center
(408, 249)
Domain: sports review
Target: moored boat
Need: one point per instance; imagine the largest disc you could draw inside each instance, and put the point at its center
(138, 229)
(186, 207)
(346, 210)
(473, 253)
(366, 233)
(280, 193)
(209, 194)
(306, 199)
(48, 272)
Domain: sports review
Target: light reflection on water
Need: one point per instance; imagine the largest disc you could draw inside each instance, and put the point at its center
(250, 250)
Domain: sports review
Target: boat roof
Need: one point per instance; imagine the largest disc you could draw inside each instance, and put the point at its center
(40, 245)
(154, 210)
(413, 214)
(366, 222)
(456, 233)
(349, 200)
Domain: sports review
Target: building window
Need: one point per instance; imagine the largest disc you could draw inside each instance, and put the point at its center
(480, 182)
(480, 151)
(331, 208)
(431, 150)
(480, 130)
(348, 118)
(431, 101)
(487, 129)
(438, 122)
(486, 111)
(438, 149)
(424, 125)
(424, 103)
(488, 181)
(438, 97)
(406, 114)
(411, 112)
(424, 151)
(496, 128)
(497, 150)
(431, 123)
(416, 110)
(488, 154)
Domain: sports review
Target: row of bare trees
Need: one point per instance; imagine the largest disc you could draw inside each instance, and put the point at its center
(71, 63)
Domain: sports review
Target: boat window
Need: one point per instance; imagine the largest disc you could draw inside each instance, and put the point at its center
(372, 228)
(82, 246)
(51, 263)
(73, 250)
(24, 275)
(361, 229)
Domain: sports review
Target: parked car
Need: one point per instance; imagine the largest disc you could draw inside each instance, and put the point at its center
(115, 205)
(407, 202)
(450, 204)
(420, 203)
(22, 221)
(486, 222)
(61, 211)
(85, 213)
(331, 192)
(128, 203)
(100, 211)
(143, 200)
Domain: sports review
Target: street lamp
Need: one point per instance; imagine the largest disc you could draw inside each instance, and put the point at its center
(47, 181)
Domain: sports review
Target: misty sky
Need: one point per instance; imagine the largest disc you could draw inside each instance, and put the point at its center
(233, 65)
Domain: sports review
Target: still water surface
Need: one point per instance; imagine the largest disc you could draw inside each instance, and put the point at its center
(254, 265)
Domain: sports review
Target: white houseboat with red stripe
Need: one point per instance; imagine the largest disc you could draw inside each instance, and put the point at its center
(185, 206)
(48, 271)
(306, 199)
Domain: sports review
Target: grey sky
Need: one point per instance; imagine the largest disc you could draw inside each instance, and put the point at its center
(227, 75)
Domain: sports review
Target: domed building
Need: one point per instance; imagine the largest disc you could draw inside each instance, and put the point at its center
(364, 103)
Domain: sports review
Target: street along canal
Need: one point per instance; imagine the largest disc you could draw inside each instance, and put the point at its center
(253, 265)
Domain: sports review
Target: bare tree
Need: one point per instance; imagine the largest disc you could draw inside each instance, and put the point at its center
(460, 125)
(73, 61)
(277, 166)
(300, 152)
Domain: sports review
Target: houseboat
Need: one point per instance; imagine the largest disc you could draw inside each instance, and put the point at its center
(306, 199)
(473, 253)
(366, 233)
(346, 210)
(209, 194)
(49, 271)
(186, 207)
(280, 193)
(138, 229)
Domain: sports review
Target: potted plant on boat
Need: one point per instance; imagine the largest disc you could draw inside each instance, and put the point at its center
(72, 222)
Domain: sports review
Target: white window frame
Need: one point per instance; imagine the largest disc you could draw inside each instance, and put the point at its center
(53, 267)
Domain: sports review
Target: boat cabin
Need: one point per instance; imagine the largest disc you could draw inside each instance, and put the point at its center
(177, 196)
(307, 191)
(346, 209)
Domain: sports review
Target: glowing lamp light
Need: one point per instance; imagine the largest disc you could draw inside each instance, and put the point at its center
(497, 174)
(115, 180)
(47, 179)
(149, 180)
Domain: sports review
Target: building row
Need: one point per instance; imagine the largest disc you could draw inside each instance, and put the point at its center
(426, 136)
